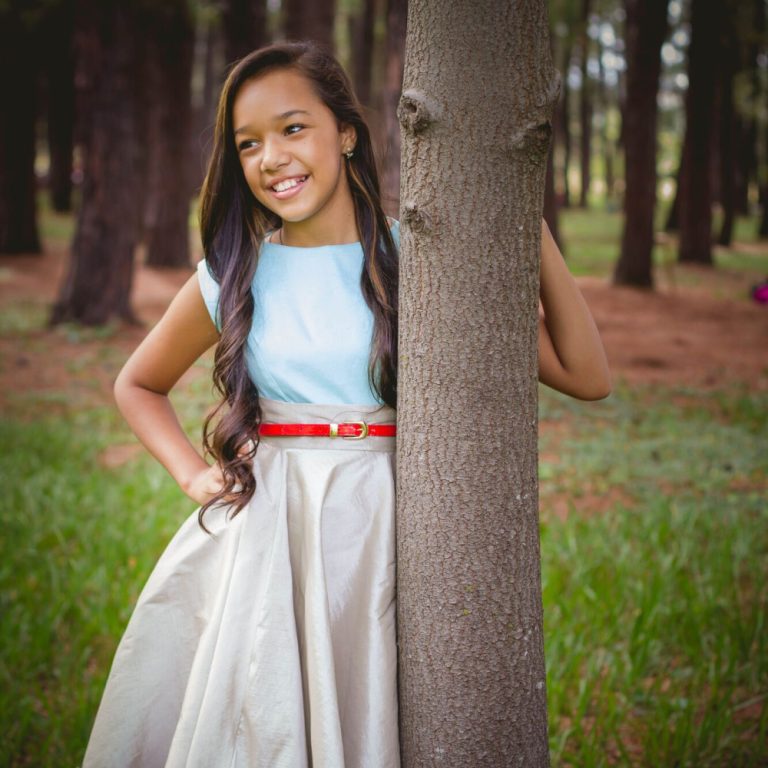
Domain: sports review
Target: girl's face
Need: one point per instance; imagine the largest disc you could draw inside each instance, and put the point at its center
(291, 148)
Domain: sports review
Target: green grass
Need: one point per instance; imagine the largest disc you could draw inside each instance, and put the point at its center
(655, 611)
(591, 243)
(78, 542)
(655, 607)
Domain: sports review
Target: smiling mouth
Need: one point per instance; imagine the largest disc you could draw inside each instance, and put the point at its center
(288, 185)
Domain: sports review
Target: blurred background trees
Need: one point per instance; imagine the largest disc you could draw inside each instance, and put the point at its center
(109, 107)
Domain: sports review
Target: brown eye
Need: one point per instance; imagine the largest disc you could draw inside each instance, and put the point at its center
(246, 144)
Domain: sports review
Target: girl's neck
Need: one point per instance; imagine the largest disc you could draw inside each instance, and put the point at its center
(335, 224)
(309, 237)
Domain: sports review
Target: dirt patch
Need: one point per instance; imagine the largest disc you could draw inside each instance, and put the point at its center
(706, 335)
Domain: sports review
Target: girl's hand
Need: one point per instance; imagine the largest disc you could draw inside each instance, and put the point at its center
(204, 485)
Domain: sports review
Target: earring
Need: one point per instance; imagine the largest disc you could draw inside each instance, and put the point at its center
(348, 154)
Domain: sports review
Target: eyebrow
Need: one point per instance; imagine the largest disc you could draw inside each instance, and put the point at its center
(276, 118)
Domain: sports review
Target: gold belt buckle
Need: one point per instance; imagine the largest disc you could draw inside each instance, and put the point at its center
(363, 431)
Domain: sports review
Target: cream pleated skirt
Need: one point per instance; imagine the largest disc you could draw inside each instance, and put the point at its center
(272, 643)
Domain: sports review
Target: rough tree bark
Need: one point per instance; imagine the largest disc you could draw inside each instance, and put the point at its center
(97, 286)
(18, 77)
(550, 195)
(397, 15)
(245, 27)
(646, 28)
(478, 92)
(169, 41)
(310, 19)
(696, 181)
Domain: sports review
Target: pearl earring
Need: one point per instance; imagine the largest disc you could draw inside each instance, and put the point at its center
(348, 154)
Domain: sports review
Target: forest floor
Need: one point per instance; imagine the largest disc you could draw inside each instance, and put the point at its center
(654, 536)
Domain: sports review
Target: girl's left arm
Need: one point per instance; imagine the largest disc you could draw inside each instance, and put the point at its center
(571, 355)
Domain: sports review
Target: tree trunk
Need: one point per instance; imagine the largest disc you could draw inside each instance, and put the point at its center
(310, 20)
(564, 125)
(696, 182)
(397, 13)
(98, 283)
(726, 155)
(58, 54)
(672, 223)
(585, 111)
(207, 70)
(169, 41)
(607, 145)
(479, 88)
(245, 27)
(646, 28)
(18, 88)
(361, 36)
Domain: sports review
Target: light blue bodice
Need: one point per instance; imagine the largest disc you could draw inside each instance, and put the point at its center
(311, 334)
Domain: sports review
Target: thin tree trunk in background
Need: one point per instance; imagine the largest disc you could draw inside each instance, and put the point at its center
(98, 283)
(471, 661)
(696, 182)
(245, 27)
(361, 36)
(745, 161)
(607, 146)
(727, 127)
(762, 229)
(206, 68)
(58, 54)
(310, 19)
(646, 28)
(585, 112)
(564, 124)
(672, 223)
(756, 50)
(18, 89)
(397, 13)
(169, 41)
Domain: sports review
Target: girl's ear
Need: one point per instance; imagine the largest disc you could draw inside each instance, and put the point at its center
(348, 137)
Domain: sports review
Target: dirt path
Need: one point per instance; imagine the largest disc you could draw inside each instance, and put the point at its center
(707, 335)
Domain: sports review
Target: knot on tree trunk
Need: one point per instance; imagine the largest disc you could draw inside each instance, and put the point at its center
(416, 219)
(416, 112)
(532, 140)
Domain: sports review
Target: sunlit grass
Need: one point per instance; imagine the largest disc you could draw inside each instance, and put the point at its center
(591, 244)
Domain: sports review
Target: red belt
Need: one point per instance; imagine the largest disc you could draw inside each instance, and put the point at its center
(349, 430)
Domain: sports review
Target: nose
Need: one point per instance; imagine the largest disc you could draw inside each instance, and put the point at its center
(274, 154)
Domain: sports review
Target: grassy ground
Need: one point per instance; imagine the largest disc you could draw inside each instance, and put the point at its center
(655, 608)
(654, 560)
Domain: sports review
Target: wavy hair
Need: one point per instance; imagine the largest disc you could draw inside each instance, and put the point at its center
(233, 223)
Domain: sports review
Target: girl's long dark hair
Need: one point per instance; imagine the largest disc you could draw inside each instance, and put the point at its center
(233, 224)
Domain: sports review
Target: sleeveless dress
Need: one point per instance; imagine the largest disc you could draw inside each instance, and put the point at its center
(271, 644)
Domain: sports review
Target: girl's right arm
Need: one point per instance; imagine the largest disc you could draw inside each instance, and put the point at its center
(141, 390)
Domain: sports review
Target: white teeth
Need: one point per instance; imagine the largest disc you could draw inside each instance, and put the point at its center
(287, 184)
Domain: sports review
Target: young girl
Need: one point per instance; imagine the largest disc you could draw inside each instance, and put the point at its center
(269, 640)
